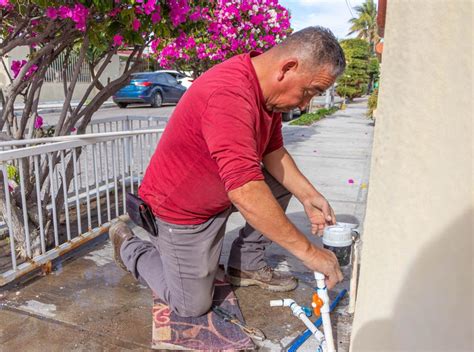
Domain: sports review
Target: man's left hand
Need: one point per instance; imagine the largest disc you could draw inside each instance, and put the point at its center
(319, 213)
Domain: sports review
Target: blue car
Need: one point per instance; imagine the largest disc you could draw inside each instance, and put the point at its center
(154, 88)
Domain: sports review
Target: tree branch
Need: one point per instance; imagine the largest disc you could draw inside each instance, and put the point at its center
(104, 94)
(93, 83)
(9, 45)
(70, 92)
(64, 74)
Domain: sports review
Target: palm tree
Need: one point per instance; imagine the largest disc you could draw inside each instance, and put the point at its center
(365, 24)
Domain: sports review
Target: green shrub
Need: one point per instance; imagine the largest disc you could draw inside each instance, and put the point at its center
(310, 118)
(354, 81)
(372, 103)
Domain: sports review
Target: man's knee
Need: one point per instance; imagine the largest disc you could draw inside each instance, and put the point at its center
(196, 307)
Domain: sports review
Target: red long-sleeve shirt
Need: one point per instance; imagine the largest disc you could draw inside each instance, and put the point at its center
(213, 143)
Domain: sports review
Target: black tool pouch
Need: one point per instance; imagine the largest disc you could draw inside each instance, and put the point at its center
(141, 214)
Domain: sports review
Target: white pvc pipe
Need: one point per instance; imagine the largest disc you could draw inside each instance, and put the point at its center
(299, 313)
(355, 272)
(325, 309)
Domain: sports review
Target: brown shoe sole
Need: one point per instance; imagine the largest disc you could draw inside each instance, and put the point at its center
(119, 262)
(116, 241)
(238, 281)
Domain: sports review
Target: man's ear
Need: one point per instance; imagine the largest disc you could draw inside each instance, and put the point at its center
(286, 66)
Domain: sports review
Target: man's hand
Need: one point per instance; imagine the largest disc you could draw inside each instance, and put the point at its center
(262, 211)
(319, 213)
(326, 263)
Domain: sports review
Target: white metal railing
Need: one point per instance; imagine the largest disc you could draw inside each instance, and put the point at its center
(103, 167)
(109, 124)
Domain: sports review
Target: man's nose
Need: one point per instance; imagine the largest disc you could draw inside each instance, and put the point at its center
(303, 105)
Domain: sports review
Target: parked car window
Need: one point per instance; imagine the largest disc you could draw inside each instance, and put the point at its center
(142, 76)
(177, 75)
(161, 79)
(169, 79)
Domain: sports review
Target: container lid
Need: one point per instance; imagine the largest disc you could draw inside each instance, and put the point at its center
(347, 224)
(337, 236)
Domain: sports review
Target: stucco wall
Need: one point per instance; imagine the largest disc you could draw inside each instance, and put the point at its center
(415, 289)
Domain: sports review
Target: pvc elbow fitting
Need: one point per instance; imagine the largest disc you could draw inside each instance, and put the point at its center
(284, 302)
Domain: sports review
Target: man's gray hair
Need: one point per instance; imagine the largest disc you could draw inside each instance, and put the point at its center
(317, 46)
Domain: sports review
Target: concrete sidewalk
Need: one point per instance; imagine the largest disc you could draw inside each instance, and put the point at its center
(89, 304)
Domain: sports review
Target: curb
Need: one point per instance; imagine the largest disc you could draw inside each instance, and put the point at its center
(51, 110)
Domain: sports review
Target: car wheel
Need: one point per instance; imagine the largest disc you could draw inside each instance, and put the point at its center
(157, 100)
(122, 105)
(287, 116)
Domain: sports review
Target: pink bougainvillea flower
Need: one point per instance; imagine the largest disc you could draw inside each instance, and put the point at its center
(64, 12)
(149, 6)
(156, 16)
(257, 19)
(179, 9)
(17, 66)
(196, 15)
(154, 45)
(38, 122)
(79, 15)
(350, 181)
(136, 24)
(31, 70)
(118, 40)
(4, 3)
(52, 13)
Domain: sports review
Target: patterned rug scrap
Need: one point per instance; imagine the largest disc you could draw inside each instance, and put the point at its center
(206, 333)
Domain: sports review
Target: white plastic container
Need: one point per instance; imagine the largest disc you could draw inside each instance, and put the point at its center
(338, 239)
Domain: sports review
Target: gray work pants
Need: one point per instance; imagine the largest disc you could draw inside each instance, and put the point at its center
(181, 263)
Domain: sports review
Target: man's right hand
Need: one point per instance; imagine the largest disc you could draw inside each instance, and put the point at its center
(325, 262)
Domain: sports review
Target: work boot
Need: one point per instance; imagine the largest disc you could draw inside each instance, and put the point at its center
(118, 234)
(266, 278)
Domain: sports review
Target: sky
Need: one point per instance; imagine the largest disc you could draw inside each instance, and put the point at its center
(333, 14)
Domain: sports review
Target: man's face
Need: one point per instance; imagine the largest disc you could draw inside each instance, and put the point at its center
(295, 88)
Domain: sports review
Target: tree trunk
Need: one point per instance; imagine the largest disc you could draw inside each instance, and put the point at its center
(18, 227)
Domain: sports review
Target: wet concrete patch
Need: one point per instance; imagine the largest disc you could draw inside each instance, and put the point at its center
(36, 307)
(102, 256)
(35, 334)
(90, 295)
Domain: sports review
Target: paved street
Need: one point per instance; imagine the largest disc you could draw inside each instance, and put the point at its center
(89, 304)
(134, 110)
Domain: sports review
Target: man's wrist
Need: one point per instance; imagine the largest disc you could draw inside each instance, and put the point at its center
(307, 251)
(307, 198)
